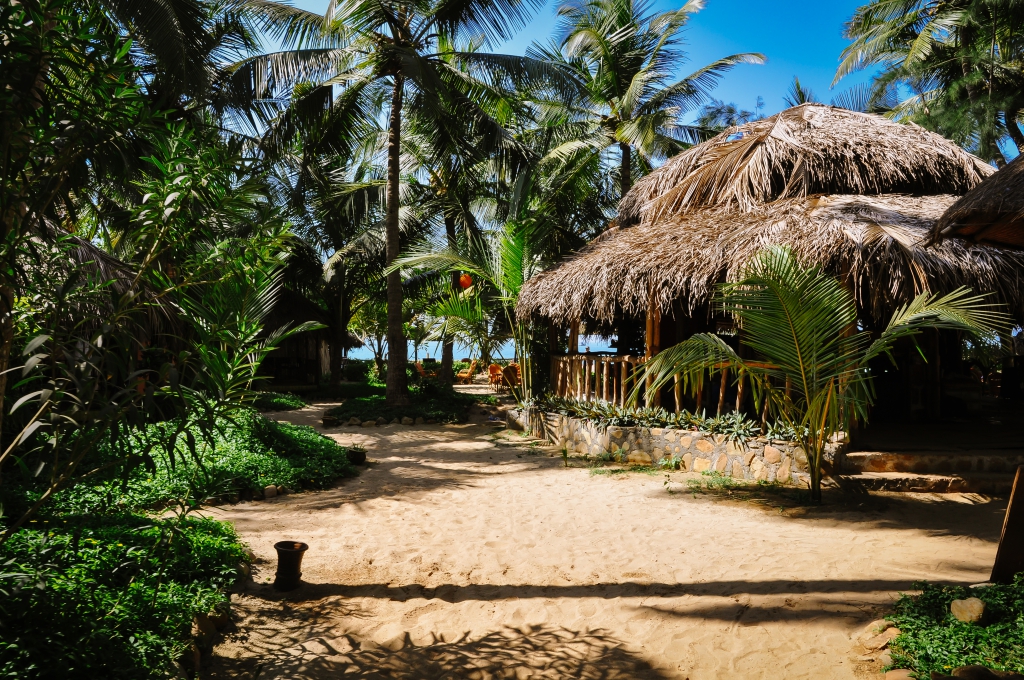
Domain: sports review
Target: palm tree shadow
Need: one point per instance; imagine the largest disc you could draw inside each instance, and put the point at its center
(537, 651)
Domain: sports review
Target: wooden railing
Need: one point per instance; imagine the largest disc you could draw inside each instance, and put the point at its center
(592, 377)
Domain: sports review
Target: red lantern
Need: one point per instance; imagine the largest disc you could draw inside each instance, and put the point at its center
(465, 280)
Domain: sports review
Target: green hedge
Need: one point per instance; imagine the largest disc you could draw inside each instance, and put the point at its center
(931, 639)
(276, 401)
(248, 453)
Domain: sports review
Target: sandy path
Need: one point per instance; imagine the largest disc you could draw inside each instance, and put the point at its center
(453, 557)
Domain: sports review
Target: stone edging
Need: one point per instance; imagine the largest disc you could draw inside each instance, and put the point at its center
(760, 459)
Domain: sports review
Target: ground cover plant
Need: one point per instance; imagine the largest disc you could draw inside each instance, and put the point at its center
(276, 401)
(735, 426)
(247, 453)
(110, 596)
(932, 639)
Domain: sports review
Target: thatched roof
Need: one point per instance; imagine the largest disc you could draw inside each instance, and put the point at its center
(878, 240)
(802, 151)
(854, 192)
(993, 211)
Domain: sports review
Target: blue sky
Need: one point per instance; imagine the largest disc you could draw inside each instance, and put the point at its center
(799, 38)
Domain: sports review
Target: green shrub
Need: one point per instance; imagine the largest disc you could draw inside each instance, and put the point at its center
(109, 597)
(356, 370)
(276, 401)
(249, 453)
(429, 402)
(735, 426)
(931, 639)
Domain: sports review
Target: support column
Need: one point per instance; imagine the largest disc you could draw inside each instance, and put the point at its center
(652, 342)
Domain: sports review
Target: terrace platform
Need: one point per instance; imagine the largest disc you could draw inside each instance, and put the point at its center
(977, 456)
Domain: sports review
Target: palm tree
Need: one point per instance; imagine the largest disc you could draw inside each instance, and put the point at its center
(812, 365)
(624, 57)
(798, 94)
(961, 60)
(500, 261)
(401, 50)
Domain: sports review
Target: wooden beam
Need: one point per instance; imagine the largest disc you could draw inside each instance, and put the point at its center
(574, 338)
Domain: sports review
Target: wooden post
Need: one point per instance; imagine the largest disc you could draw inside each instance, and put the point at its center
(604, 386)
(700, 392)
(574, 338)
(652, 341)
(741, 391)
(625, 365)
(677, 392)
(721, 391)
(1010, 553)
(586, 379)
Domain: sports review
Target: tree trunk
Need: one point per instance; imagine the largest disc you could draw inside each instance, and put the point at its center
(398, 352)
(625, 170)
(447, 376)
(1012, 129)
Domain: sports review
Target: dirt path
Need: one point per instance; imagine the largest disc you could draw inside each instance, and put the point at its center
(456, 556)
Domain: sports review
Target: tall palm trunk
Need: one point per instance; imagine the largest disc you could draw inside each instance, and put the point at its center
(398, 352)
(625, 170)
(448, 349)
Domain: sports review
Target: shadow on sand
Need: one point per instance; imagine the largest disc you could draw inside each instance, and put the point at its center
(536, 652)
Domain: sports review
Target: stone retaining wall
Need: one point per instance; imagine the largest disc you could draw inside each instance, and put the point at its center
(759, 459)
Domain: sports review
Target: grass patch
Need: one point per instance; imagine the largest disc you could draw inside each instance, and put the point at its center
(635, 469)
(278, 401)
(428, 402)
(931, 639)
(349, 390)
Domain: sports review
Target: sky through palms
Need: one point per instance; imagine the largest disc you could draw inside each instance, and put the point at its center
(799, 37)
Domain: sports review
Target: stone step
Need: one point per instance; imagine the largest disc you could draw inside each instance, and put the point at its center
(989, 483)
(936, 463)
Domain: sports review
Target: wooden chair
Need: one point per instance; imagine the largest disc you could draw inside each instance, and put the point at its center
(465, 376)
(424, 373)
(494, 377)
(510, 377)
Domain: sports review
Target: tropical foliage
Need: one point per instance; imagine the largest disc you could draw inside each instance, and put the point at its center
(960, 61)
(812, 366)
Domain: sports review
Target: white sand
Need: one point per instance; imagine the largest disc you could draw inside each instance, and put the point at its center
(453, 557)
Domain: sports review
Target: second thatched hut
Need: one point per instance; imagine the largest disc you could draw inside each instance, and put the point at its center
(855, 193)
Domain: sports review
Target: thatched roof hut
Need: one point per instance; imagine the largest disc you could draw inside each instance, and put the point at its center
(854, 192)
(992, 212)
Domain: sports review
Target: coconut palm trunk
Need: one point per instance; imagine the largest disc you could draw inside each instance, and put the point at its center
(625, 169)
(398, 352)
(448, 349)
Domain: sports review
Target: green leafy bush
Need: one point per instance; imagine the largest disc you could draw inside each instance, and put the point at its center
(276, 401)
(248, 453)
(356, 370)
(735, 426)
(429, 402)
(931, 639)
(109, 597)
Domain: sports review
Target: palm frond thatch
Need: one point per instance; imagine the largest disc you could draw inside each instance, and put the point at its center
(877, 241)
(805, 150)
(993, 211)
